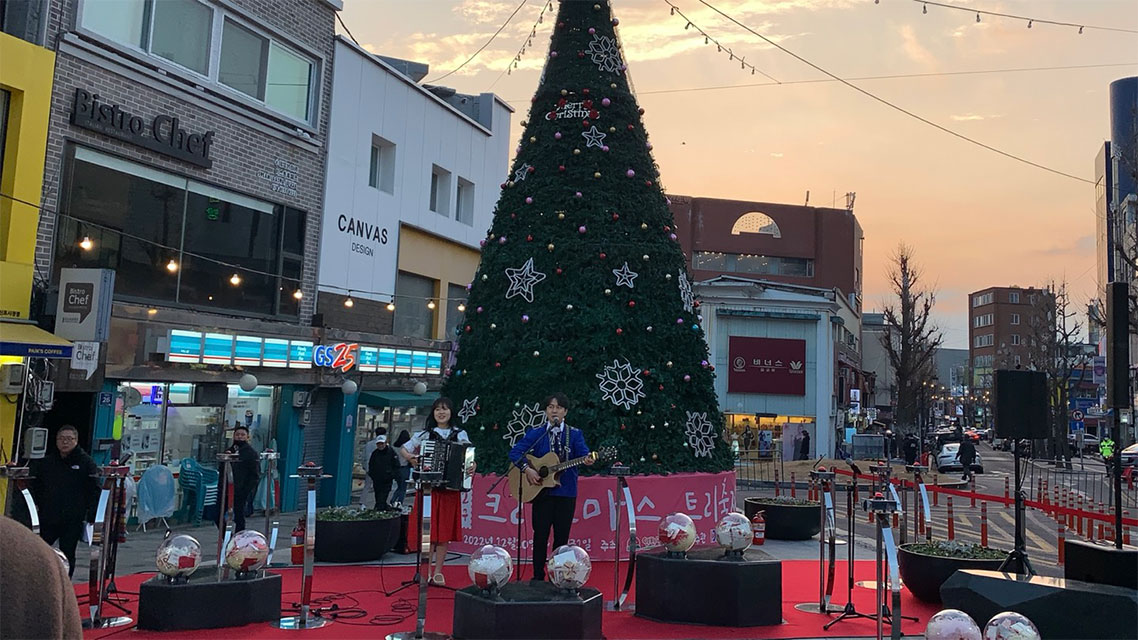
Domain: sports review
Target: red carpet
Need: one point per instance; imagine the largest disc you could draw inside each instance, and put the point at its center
(357, 591)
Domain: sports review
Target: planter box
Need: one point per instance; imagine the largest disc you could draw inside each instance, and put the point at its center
(786, 521)
(923, 575)
(355, 541)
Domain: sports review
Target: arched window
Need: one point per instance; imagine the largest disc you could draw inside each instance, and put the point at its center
(755, 222)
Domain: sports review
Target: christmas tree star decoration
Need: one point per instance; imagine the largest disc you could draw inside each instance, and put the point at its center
(522, 172)
(522, 281)
(469, 409)
(625, 276)
(605, 53)
(621, 384)
(593, 137)
(525, 418)
(685, 292)
(700, 433)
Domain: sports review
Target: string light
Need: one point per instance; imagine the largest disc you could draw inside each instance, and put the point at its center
(235, 279)
(461, 307)
(391, 306)
(86, 243)
(707, 39)
(1028, 19)
(525, 45)
(977, 17)
(298, 294)
(430, 304)
(171, 266)
(348, 302)
(925, 10)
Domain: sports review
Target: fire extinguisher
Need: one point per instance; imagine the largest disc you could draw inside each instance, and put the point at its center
(759, 526)
(298, 542)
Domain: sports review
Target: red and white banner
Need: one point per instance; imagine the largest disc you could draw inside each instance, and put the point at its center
(492, 518)
(766, 365)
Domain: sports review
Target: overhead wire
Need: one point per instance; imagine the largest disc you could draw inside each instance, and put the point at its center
(547, 5)
(708, 40)
(891, 105)
(480, 49)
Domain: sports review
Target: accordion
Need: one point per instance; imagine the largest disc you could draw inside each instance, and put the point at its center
(443, 464)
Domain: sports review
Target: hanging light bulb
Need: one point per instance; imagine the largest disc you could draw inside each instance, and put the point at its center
(1080, 31)
(391, 306)
(235, 279)
(977, 17)
(705, 39)
(1029, 24)
(298, 294)
(461, 307)
(689, 26)
(926, 9)
(673, 11)
(171, 266)
(86, 243)
(348, 302)
(430, 304)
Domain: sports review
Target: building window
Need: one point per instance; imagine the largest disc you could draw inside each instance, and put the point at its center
(983, 320)
(290, 79)
(174, 240)
(381, 171)
(440, 190)
(983, 299)
(244, 56)
(1017, 361)
(181, 33)
(1015, 318)
(456, 295)
(413, 317)
(1013, 297)
(120, 20)
(986, 340)
(1015, 339)
(464, 202)
(746, 263)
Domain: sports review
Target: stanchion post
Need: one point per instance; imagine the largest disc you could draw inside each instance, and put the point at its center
(973, 488)
(312, 475)
(984, 523)
(224, 510)
(104, 542)
(1061, 542)
(1007, 492)
(777, 483)
(272, 523)
(951, 523)
(792, 485)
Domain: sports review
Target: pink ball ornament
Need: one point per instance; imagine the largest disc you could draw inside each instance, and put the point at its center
(581, 229)
(649, 145)
(606, 102)
(630, 173)
(578, 194)
(502, 240)
(479, 309)
(672, 236)
(703, 363)
(552, 54)
(605, 148)
(679, 320)
(482, 243)
(592, 31)
(687, 378)
(557, 136)
(525, 318)
(529, 200)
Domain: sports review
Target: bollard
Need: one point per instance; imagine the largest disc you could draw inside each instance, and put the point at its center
(776, 482)
(1062, 541)
(1101, 531)
(1079, 518)
(792, 483)
(984, 524)
(1055, 501)
(936, 494)
(973, 486)
(896, 521)
(1007, 493)
(951, 524)
(1126, 529)
(1039, 496)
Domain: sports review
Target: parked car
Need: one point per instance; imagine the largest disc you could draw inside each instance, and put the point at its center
(1130, 456)
(985, 433)
(947, 459)
(973, 435)
(1090, 442)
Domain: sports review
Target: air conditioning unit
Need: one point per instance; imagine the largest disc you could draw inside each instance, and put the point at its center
(299, 399)
(12, 377)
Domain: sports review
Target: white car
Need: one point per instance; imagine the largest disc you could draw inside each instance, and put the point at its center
(947, 460)
(1130, 456)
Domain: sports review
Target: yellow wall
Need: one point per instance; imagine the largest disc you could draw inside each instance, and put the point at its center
(441, 260)
(26, 73)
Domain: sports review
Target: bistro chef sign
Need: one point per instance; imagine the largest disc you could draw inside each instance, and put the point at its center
(163, 133)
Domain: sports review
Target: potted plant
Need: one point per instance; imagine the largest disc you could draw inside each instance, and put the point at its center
(352, 534)
(786, 518)
(926, 565)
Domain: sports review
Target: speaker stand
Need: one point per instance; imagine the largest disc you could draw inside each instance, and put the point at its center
(1018, 556)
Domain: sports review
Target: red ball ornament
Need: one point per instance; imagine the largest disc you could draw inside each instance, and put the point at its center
(603, 256)
(588, 104)
(631, 127)
(502, 186)
(497, 365)
(568, 358)
(667, 228)
(580, 54)
(641, 110)
(593, 113)
(468, 329)
(531, 170)
(513, 215)
(529, 238)
(695, 303)
(623, 426)
(661, 389)
(585, 91)
(647, 372)
(558, 271)
(560, 25)
(560, 167)
(619, 331)
(584, 124)
(632, 303)
(616, 216)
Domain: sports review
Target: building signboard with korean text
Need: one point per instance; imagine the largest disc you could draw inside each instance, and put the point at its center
(766, 365)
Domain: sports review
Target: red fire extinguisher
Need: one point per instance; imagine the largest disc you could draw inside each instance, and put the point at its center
(759, 527)
(298, 542)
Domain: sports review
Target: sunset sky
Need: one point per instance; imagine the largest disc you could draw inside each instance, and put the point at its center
(974, 218)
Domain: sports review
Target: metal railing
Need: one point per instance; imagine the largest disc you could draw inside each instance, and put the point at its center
(754, 467)
(1094, 485)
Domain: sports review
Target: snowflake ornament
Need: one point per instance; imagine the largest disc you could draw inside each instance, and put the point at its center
(594, 138)
(522, 281)
(522, 172)
(685, 292)
(700, 433)
(621, 384)
(605, 53)
(469, 409)
(625, 276)
(526, 418)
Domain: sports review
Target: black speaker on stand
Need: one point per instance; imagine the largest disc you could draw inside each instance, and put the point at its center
(1117, 383)
(1021, 413)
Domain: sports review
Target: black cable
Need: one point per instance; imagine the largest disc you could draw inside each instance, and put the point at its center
(890, 104)
(475, 54)
(346, 30)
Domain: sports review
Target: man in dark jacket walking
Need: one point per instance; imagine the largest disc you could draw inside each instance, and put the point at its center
(382, 468)
(66, 492)
(246, 474)
(967, 455)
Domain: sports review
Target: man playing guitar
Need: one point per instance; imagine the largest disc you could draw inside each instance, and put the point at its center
(554, 506)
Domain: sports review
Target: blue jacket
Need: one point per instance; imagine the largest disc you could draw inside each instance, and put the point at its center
(577, 449)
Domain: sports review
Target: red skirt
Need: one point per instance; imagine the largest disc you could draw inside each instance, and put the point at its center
(446, 518)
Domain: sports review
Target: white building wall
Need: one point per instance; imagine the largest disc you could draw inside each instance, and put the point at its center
(369, 98)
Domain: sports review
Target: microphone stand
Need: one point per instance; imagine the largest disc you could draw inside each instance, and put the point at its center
(518, 497)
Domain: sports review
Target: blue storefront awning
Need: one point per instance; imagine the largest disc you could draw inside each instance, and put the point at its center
(29, 341)
(381, 399)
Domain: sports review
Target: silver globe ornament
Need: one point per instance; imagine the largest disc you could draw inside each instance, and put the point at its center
(420, 388)
(349, 387)
(490, 567)
(178, 557)
(952, 624)
(677, 533)
(247, 552)
(1010, 625)
(569, 567)
(734, 534)
(248, 382)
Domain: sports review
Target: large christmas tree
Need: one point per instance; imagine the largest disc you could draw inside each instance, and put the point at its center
(582, 287)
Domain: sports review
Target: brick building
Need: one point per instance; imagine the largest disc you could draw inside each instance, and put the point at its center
(1002, 324)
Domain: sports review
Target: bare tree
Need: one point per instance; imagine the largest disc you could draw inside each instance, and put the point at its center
(913, 338)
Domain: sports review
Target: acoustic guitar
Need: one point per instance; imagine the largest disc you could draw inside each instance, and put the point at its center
(549, 467)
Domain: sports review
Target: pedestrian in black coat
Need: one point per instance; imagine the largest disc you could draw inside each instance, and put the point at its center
(246, 474)
(382, 468)
(66, 492)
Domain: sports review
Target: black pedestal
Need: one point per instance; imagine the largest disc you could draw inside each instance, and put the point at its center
(704, 589)
(206, 604)
(1101, 564)
(1060, 608)
(527, 610)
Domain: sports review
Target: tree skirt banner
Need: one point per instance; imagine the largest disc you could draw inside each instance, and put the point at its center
(491, 517)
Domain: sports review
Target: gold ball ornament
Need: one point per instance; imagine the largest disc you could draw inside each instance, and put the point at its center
(564, 92)
(549, 246)
(560, 215)
(643, 226)
(532, 139)
(596, 174)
